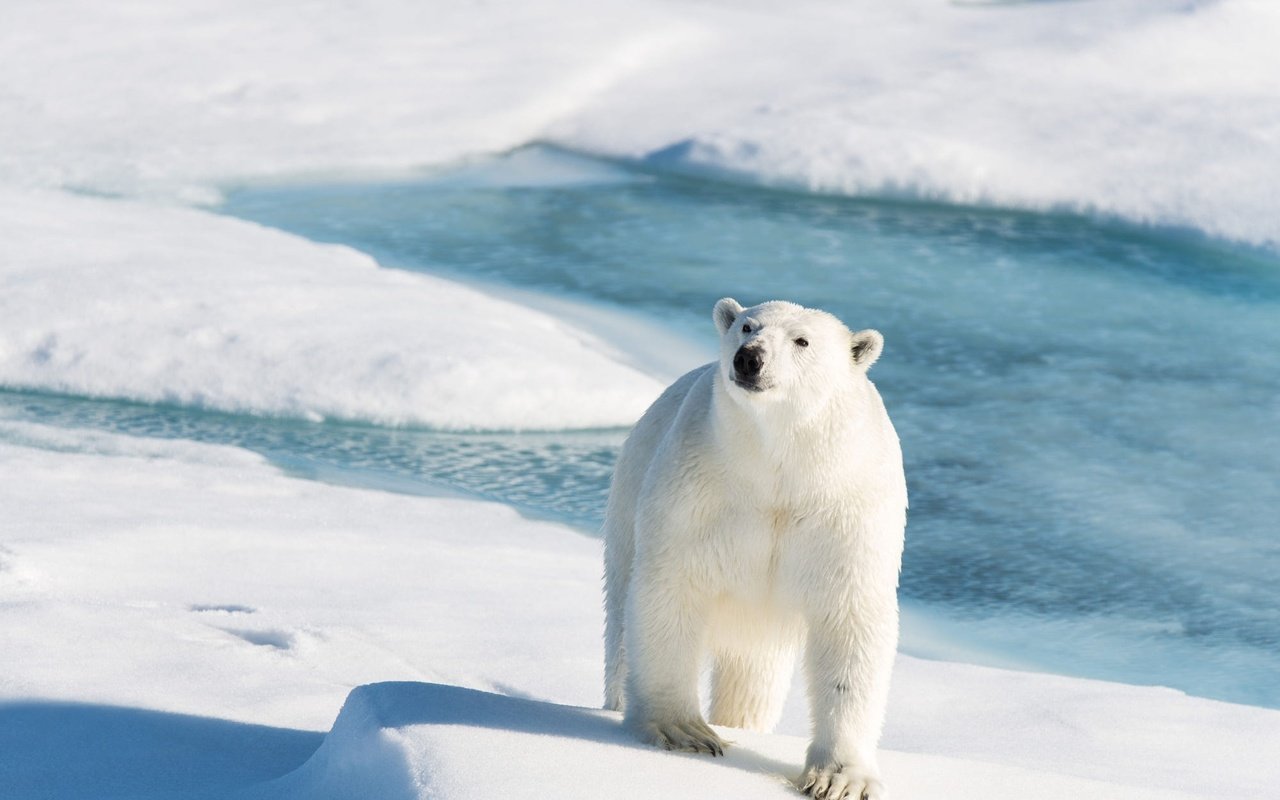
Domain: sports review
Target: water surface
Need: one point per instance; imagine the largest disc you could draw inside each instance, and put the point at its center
(1090, 412)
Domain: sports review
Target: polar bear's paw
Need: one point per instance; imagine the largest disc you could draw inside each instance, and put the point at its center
(841, 782)
(691, 736)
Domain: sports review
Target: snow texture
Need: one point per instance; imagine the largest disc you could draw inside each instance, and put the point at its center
(402, 741)
(167, 305)
(1158, 111)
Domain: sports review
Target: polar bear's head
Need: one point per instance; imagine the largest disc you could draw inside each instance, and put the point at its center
(779, 350)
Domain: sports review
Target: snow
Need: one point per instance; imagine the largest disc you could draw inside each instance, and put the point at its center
(118, 299)
(196, 579)
(1157, 111)
(409, 740)
(166, 101)
(184, 619)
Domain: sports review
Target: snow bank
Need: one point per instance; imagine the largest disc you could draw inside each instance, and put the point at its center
(199, 580)
(168, 100)
(127, 300)
(1158, 111)
(171, 607)
(414, 740)
(404, 741)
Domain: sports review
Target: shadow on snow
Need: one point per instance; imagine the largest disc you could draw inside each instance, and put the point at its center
(69, 751)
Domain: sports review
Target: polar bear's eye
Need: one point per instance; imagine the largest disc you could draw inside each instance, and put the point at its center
(802, 342)
(746, 329)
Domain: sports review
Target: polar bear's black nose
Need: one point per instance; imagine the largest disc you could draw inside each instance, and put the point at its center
(747, 362)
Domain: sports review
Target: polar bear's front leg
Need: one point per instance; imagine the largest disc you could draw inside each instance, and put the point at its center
(665, 630)
(849, 660)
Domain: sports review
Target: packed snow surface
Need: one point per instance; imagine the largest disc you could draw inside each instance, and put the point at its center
(1160, 111)
(402, 741)
(116, 299)
(188, 620)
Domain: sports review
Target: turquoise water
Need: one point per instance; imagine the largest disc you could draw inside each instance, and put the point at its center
(1089, 411)
(562, 476)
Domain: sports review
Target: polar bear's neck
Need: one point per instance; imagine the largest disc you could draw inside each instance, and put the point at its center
(782, 431)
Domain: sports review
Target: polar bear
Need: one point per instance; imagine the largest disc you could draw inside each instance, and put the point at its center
(758, 509)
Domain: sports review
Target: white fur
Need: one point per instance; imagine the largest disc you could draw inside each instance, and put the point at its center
(745, 526)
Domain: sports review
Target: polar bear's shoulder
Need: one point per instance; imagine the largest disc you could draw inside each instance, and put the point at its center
(693, 386)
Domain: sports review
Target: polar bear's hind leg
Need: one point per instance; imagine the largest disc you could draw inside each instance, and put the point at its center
(751, 677)
(749, 690)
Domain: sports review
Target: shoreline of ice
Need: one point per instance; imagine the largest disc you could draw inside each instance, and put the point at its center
(1156, 113)
(128, 300)
(937, 102)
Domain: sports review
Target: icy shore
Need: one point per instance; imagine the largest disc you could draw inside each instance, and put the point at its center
(1042, 106)
(1156, 111)
(116, 299)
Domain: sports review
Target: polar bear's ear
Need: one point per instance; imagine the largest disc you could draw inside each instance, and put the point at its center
(866, 346)
(726, 311)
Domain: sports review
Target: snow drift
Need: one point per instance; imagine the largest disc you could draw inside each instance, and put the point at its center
(126, 300)
(1157, 111)
(406, 741)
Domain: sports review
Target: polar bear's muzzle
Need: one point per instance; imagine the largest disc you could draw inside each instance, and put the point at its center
(748, 363)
